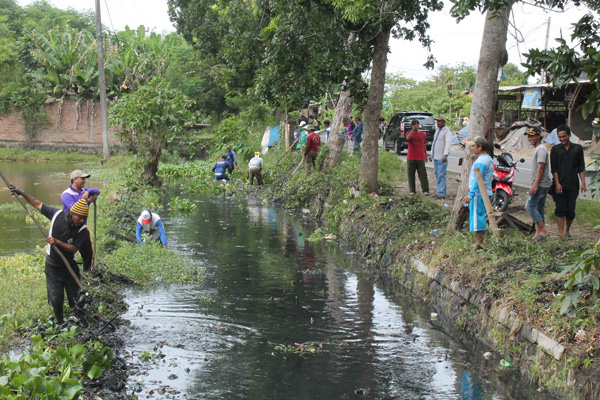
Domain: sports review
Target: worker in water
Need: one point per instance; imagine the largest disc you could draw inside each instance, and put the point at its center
(255, 166)
(67, 233)
(149, 225)
(221, 168)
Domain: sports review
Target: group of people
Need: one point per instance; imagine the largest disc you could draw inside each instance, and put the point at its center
(559, 172)
(228, 163)
(68, 234)
(417, 156)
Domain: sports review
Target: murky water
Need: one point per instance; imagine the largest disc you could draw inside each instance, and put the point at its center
(44, 181)
(269, 290)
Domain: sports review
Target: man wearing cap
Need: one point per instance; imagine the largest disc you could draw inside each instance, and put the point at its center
(67, 232)
(541, 180)
(151, 225)
(313, 142)
(255, 166)
(568, 167)
(474, 199)
(440, 149)
(72, 195)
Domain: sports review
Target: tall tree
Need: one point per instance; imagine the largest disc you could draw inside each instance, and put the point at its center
(150, 118)
(381, 19)
(492, 57)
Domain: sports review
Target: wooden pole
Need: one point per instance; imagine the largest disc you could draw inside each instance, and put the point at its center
(94, 248)
(488, 204)
(102, 85)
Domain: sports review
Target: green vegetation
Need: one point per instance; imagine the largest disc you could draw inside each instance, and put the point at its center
(149, 263)
(23, 300)
(51, 371)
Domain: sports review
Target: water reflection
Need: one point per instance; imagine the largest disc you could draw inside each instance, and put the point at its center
(44, 181)
(267, 285)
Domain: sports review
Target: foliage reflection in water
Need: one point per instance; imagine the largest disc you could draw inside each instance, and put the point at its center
(268, 293)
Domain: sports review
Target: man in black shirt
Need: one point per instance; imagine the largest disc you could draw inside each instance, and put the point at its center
(67, 232)
(568, 167)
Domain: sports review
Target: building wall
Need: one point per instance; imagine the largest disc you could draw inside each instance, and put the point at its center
(72, 126)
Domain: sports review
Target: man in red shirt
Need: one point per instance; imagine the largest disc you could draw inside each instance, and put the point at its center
(416, 158)
(313, 141)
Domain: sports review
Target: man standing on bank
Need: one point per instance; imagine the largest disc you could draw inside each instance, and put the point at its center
(440, 149)
(568, 167)
(416, 158)
(67, 232)
(541, 180)
(313, 142)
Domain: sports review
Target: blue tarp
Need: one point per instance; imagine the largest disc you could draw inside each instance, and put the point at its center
(270, 137)
(552, 138)
(460, 135)
(274, 135)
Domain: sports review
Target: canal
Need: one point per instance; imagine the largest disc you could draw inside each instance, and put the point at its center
(278, 316)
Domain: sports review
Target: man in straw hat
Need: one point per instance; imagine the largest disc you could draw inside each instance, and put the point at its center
(67, 232)
(255, 166)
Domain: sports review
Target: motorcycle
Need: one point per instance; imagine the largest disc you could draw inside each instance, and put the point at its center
(503, 178)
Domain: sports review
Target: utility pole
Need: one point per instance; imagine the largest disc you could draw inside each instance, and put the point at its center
(102, 84)
(544, 78)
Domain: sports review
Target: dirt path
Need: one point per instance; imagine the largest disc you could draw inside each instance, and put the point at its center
(517, 208)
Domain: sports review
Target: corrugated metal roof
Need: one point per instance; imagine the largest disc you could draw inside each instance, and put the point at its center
(521, 88)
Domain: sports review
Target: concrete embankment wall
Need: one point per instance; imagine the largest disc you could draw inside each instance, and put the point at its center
(495, 322)
(72, 126)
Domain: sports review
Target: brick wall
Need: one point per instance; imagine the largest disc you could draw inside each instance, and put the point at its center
(72, 126)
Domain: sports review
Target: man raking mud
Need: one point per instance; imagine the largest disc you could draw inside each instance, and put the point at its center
(66, 235)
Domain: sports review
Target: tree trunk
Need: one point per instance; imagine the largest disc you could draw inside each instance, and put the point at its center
(337, 137)
(151, 166)
(492, 57)
(369, 162)
(343, 109)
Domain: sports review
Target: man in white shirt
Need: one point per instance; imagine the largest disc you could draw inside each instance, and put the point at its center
(440, 149)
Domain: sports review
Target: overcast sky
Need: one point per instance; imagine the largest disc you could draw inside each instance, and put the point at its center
(453, 43)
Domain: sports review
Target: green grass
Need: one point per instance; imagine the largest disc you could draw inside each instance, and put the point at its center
(149, 263)
(23, 299)
(22, 154)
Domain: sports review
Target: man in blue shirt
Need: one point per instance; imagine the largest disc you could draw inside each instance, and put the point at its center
(474, 199)
(357, 134)
(231, 157)
(149, 223)
(220, 169)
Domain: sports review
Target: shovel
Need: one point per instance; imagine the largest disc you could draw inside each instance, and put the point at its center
(60, 254)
